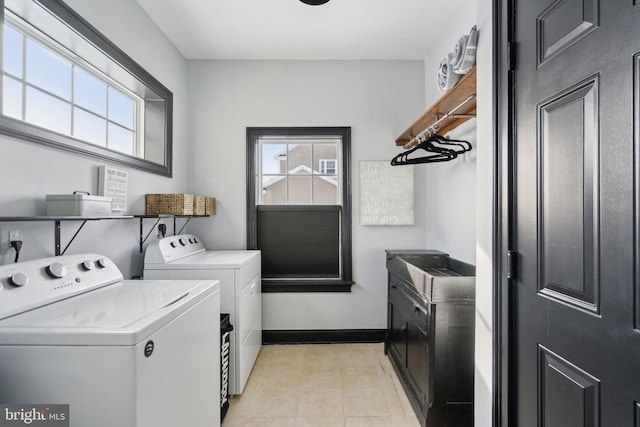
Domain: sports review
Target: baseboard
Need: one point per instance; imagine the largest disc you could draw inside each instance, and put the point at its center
(316, 336)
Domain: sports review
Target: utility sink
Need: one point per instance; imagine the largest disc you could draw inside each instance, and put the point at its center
(434, 274)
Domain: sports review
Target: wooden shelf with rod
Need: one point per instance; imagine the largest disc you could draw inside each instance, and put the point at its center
(453, 108)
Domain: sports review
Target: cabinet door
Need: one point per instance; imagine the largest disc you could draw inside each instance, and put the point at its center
(397, 325)
(418, 359)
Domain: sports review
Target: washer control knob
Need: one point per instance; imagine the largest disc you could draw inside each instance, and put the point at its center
(173, 244)
(102, 262)
(57, 270)
(181, 241)
(195, 240)
(19, 279)
(191, 241)
(88, 265)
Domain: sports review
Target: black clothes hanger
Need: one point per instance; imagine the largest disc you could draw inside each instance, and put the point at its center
(441, 148)
(463, 145)
(438, 154)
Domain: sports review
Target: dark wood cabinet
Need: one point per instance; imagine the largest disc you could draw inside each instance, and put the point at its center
(430, 342)
(408, 343)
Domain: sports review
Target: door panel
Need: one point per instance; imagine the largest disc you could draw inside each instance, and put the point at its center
(568, 204)
(569, 397)
(562, 24)
(576, 302)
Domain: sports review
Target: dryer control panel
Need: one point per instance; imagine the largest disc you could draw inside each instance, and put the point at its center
(30, 284)
(172, 248)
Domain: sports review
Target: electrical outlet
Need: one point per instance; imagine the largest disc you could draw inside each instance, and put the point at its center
(14, 235)
(159, 228)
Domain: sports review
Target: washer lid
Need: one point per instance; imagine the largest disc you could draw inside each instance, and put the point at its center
(209, 260)
(124, 313)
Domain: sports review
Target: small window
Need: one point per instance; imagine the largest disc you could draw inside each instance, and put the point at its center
(299, 207)
(328, 166)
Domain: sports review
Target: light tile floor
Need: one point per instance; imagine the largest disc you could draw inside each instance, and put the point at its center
(322, 385)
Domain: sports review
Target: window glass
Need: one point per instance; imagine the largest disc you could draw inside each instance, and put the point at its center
(289, 170)
(323, 155)
(47, 70)
(89, 92)
(121, 108)
(274, 190)
(274, 158)
(300, 161)
(89, 127)
(12, 98)
(300, 190)
(12, 49)
(325, 190)
(48, 111)
(120, 139)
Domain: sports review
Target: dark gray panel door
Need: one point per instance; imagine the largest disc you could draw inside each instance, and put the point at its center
(577, 294)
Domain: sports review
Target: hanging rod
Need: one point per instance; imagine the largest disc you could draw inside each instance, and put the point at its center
(433, 129)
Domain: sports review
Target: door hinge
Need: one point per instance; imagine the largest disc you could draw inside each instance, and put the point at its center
(512, 264)
(512, 50)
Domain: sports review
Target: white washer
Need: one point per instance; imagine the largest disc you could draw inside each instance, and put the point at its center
(126, 353)
(185, 257)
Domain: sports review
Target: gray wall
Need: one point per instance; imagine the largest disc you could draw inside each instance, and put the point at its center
(378, 99)
(30, 171)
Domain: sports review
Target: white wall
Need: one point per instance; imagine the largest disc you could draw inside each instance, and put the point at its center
(460, 194)
(30, 171)
(450, 186)
(378, 99)
(484, 220)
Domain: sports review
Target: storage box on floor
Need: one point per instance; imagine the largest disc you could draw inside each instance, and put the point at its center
(77, 204)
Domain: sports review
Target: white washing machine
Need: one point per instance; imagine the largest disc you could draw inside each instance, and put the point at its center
(127, 353)
(185, 257)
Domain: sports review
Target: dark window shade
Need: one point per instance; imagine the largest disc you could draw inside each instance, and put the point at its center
(299, 241)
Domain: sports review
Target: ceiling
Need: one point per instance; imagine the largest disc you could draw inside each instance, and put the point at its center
(291, 30)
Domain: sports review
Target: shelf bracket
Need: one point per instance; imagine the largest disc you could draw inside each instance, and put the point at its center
(183, 226)
(57, 233)
(142, 240)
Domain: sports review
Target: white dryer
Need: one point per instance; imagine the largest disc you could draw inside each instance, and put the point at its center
(185, 257)
(127, 353)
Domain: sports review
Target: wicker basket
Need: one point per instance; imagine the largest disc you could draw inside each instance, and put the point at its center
(173, 204)
(198, 205)
(209, 205)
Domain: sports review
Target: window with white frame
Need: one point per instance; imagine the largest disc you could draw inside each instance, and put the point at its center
(328, 166)
(46, 88)
(66, 86)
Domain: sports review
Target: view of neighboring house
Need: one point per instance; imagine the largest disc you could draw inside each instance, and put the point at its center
(307, 174)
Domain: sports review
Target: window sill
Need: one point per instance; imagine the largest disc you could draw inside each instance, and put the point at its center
(281, 286)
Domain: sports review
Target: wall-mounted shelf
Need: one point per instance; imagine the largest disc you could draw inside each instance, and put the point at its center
(57, 220)
(453, 108)
(159, 217)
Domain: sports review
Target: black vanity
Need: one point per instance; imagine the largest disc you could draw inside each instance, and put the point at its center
(430, 333)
